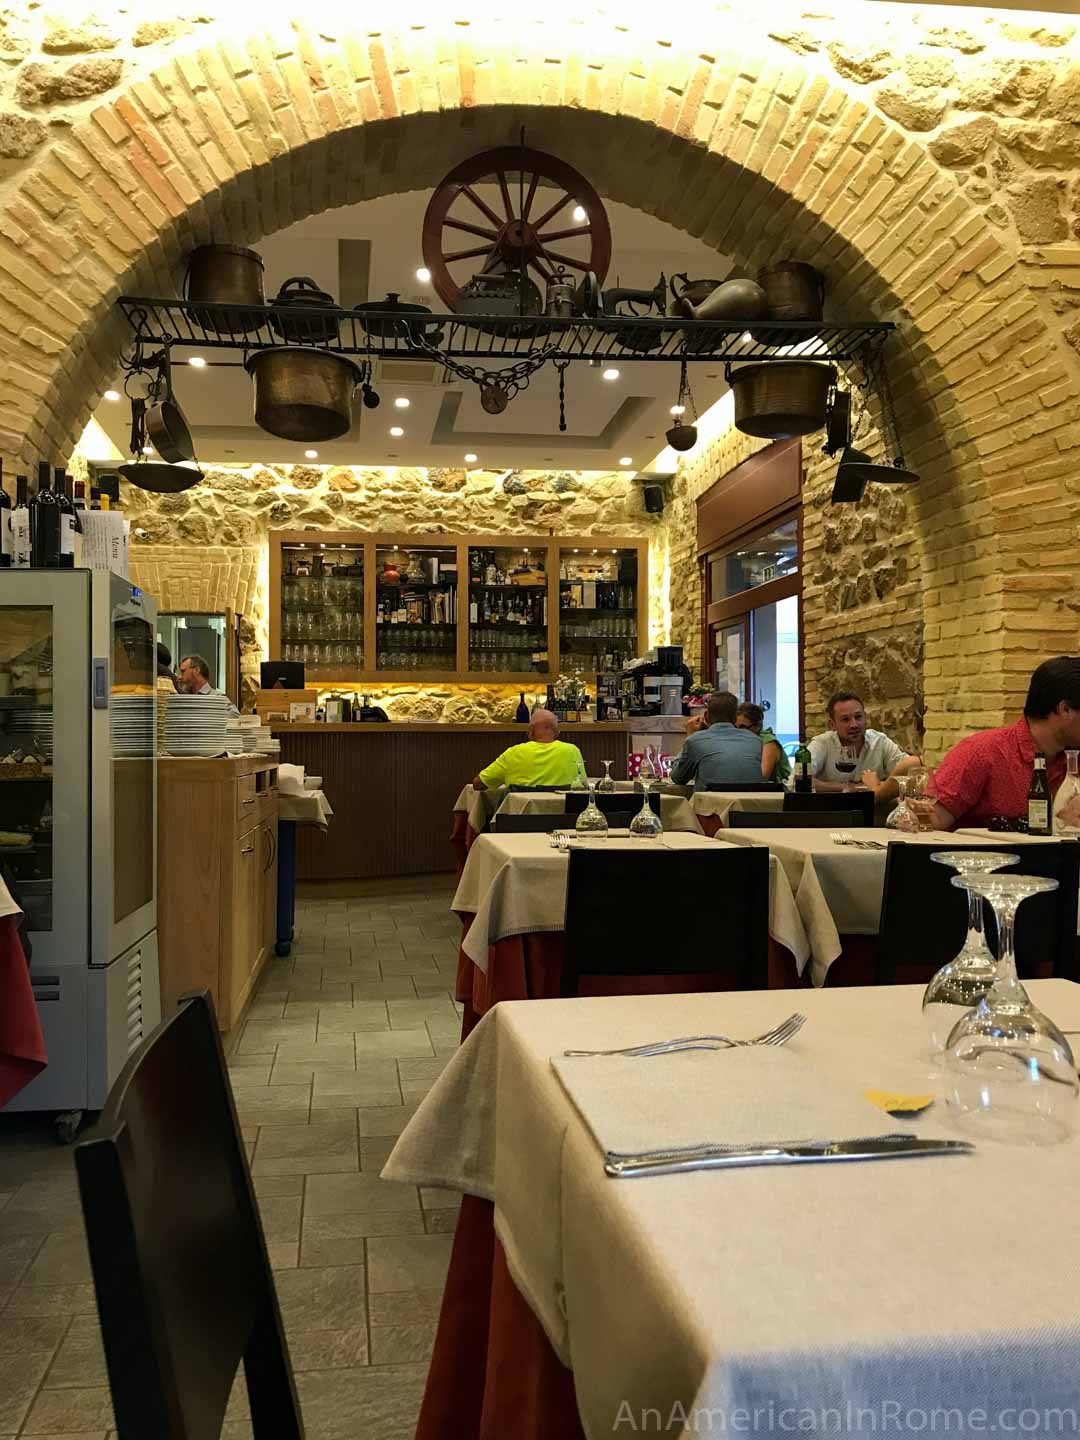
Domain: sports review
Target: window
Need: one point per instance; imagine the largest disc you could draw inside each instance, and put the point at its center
(771, 555)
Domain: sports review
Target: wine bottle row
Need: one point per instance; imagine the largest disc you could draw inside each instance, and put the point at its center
(43, 529)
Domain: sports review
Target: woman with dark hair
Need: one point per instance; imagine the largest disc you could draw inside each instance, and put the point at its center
(164, 664)
(775, 765)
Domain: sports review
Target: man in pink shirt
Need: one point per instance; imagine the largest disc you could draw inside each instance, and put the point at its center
(990, 773)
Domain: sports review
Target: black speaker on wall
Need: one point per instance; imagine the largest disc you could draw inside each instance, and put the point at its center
(654, 499)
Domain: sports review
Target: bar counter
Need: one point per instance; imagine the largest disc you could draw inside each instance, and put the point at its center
(393, 787)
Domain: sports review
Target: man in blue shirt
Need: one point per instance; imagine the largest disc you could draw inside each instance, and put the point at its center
(721, 754)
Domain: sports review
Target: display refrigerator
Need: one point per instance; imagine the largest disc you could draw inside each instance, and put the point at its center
(78, 821)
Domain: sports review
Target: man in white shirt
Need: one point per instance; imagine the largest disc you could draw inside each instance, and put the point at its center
(195, 680)
(879, 760)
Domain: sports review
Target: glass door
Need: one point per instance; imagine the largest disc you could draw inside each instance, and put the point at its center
(508, 610)
(321, 624)
(730, 652)
(774, 666)
(416, 609)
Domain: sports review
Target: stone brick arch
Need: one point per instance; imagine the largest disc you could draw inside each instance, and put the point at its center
(758, 154)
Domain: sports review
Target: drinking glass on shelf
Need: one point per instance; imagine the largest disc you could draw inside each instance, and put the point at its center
(1009, 1071)
(646, 823)
(592, 822)
(969, 975)
(847, 761)
(607, 784)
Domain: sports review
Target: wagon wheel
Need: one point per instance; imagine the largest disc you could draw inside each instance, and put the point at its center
(509, 228)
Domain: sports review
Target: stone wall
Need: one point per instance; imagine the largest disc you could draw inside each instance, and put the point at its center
(207, 548)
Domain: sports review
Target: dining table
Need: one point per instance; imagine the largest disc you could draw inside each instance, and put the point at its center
(511, 900)
(22, 1045)
(712, 807)
(848, 1298)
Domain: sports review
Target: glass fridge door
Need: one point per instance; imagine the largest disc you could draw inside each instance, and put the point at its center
(44, 815)
(124, 767)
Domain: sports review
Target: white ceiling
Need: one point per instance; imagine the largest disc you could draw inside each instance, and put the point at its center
(607, 421)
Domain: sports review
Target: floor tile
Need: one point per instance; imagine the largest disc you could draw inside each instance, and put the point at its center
(328, 1349)
(440, 1222)
(80, 1361)
(267, 1186)
(362, 1015)
(346, 1194)
(52, 1300)
(405, 1307)
(408, 1014)
(280, 1215)
(390, 1120)
(425, 1071)
(262, 1035)
(408, 1262)
(375, 1153)
(395, 987)
(65, 1411)
(319, 1148)
(365, 1087)
(377, 1403)
(19, 1333)
(20, 1375)
(265, 1105)
(283, 1255)
(402, 1344)
(62, 1260)
(334, 1052)
(399, 1044)
(303, 1073)
(331, 1297)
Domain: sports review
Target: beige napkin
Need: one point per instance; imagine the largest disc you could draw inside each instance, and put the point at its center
(753, 1095)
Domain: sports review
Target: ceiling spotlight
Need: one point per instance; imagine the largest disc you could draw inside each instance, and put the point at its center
(402, 402)
(396, 430)
(147, 449)
(471, 459)
(677, 410)
(579, 213)
(423, 275)
(198, 362)
(626, 460)
(311, 454)
(747, 339)
(611, 374)
(112, 394)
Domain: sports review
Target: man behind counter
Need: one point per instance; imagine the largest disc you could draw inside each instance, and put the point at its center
(543, 759)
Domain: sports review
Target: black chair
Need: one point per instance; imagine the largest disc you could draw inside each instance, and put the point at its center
(181, 1272)
(794, 819)
(924, 916)
(859, 800)
(622, 802)
(525, 824)
(745, 787)
(704, 911)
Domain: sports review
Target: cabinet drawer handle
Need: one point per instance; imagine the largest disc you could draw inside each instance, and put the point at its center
(248, 850)
(250, 801)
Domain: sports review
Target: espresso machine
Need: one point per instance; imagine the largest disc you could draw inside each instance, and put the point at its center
(656, 684)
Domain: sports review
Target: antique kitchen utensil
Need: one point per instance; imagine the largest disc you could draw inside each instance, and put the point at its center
(638, 302)
(837, 421)
(225, 275)
(733, 301)
(779, 399)
(301, 329)
(559, 296)
(303, 394)
(394, 318)
(165, 424)
(160, 478)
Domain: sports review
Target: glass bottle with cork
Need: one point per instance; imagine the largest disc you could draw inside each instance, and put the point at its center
(1038, 801)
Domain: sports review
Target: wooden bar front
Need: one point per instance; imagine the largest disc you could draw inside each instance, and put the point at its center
(393, 788)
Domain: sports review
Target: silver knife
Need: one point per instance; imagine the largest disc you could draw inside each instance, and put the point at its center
(888, 1147)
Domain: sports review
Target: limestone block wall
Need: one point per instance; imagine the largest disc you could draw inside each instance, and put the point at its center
(207, 548)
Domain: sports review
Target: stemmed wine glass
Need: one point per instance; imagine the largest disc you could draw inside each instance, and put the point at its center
(968, 977)
(580, 781)
(607, 784)
(1009, 1071)
(646, 823)
(849, 758)
(592, 822)
(903, 817)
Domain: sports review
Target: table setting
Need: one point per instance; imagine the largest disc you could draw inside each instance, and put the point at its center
(605, 1176)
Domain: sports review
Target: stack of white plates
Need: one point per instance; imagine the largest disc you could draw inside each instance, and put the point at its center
(131, 725)
(194, 724)
(265, 744)
(241, 733)
(37, 725)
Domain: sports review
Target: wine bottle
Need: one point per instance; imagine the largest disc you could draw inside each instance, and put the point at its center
(44, 523)
(7, 539)
(803, 769)
(67, 519)
(20, 526)
(522, 713)
(1038, 799)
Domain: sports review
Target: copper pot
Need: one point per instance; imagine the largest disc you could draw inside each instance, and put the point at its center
(303, 394)
(779, 399)
(225, 275)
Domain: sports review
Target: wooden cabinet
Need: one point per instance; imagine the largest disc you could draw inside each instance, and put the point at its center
(217, 878)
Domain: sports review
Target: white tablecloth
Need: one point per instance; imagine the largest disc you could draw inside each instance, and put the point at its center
(895, 1287)
(7, 904)
(481, 805)
(307, 807)
(675, 811)
(516, 885)
(720, 802)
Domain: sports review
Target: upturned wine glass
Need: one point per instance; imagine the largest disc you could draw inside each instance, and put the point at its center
(646, 823)
(592, 822)
(1009, 1071)
(968, 976)
(607, 784)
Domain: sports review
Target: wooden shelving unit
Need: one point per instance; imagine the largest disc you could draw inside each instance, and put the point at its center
(552, 548)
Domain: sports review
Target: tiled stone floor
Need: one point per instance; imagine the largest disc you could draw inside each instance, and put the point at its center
(340, 1043)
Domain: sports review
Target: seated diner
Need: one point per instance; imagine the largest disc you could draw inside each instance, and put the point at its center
(543, 759)
(720, 752)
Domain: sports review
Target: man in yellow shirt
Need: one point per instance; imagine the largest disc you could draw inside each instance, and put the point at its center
(543, 759)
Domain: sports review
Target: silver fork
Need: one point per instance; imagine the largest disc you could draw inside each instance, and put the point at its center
(778, 1035)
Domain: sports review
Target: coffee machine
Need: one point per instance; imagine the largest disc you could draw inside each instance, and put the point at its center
(657, 682)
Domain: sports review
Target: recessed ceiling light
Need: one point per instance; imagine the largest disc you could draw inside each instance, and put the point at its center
(147, 449)
(396, 430)
(746, 338)
(471, 459)
(197, 361)
(579, 213)
(677, 410)
(423, 275)
(311, 454)
(402, 402)
(626, 460)
(611, 374)
(112, 394)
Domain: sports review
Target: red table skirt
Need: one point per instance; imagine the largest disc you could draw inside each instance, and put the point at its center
(22, 1045)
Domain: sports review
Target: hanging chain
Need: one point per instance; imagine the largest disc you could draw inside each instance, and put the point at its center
(511, 379)
(562, 366)
(686, 395)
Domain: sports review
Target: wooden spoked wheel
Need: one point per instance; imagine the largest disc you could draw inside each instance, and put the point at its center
(517, 207)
